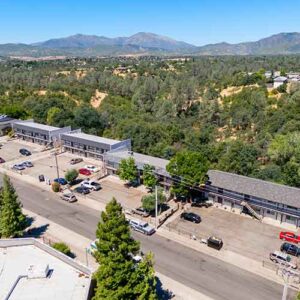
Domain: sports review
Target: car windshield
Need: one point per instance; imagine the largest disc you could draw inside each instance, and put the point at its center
(145, 225)
(95, 183)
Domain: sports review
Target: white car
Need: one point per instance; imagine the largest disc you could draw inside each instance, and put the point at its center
(92, 168)
(92, 185)
(141, 226)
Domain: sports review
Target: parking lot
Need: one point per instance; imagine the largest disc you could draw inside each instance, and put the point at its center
(240, 234)
(10, 149)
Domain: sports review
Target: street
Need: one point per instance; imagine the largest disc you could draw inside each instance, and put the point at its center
(201, 272)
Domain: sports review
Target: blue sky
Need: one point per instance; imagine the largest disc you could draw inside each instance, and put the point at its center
(194, 21)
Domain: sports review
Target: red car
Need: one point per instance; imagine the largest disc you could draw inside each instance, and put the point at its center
(84, 171)
(289, 237)
(2, 160)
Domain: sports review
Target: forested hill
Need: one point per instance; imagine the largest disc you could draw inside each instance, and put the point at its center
(217, 106)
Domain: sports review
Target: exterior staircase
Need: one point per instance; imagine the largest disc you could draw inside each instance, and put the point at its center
(252, 211)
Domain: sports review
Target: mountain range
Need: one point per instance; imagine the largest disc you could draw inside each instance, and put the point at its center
(144, 43)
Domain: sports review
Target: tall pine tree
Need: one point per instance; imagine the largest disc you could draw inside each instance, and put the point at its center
(12, 220)
(118, 276)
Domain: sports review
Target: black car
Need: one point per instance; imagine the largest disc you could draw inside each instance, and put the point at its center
(25, 152)
(189, 216)
(82, 190)
(290, 249)
(214, 242)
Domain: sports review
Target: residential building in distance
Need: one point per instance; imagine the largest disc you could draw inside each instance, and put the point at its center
(278, 81)
(88, 145)
(38, 133)
(266, 199)
(33, 270)
(268, 74)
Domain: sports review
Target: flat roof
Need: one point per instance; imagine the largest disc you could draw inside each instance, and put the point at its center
(36, 125)
(92, 138)
(274, 192)
(140, 159)
(65, 282)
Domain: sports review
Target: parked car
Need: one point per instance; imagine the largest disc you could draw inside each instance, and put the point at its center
(290, 249)
(84, 171)
(82, 190)
(27, 164)
(140, 211)
(192, 217)
(214, 242)
(133, 183)
(74, 161)
(92, 168)
(2, 160)
(93, 247)
(92, 185)
(61, 181)
(18, 167)
(283, 258)
(289, 237)
(141, 226)
(69, 197)
(201, 204)
(25, 152)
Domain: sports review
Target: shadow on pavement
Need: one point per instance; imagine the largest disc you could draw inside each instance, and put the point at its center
(163, 294)
(36, 232)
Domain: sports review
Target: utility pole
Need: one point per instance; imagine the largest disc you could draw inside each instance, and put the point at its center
(57, 170)
(156, 200)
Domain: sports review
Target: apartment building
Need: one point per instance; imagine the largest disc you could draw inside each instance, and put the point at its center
(267, 199)
(38, 133)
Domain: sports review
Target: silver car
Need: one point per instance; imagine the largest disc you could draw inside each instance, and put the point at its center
(69, 197)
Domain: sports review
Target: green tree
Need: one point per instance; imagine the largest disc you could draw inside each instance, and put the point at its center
(127, 169)
(188, 169)
(148, 201)
(71, 175)
(12, 220)
(149, 179)
(63, 248)
(118, 276)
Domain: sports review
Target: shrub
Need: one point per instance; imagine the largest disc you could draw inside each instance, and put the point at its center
(63, 248)
(71, 175)
(55, 187)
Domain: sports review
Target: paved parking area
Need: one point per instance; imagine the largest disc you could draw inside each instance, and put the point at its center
(47, 166)
(10, 149)
(240, 234)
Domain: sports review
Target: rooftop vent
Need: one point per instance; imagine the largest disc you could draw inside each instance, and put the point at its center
(40, 271)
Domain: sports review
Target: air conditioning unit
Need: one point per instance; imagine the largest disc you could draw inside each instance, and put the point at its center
(40, 271)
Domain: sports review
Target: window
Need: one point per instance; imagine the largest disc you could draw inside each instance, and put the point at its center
(290, 218)
(270, 212)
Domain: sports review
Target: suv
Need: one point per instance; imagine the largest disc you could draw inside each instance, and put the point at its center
(25, 152)
(27, 164)
(140, 211)
(141, 226)
(192, 217)
(280, 257)
(290, 249)
(69, 197)
(95, 186)
(74, 161)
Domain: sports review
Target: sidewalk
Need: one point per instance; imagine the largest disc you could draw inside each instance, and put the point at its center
(79, 243)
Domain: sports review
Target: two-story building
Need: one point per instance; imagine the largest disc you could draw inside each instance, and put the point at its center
(267, 199)
(89, 145)
(38, 133)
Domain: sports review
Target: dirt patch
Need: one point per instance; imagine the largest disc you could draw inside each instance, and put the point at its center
(231, 90)
(97, 98)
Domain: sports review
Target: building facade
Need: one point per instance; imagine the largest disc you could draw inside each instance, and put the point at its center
(267, 200)
(88, 145)
(38, 133)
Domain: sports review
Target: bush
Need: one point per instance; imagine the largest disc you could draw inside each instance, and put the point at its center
(55, 187)
(71, 175)
(63, 248)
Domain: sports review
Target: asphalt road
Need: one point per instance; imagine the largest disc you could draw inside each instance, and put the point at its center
(210, 276)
